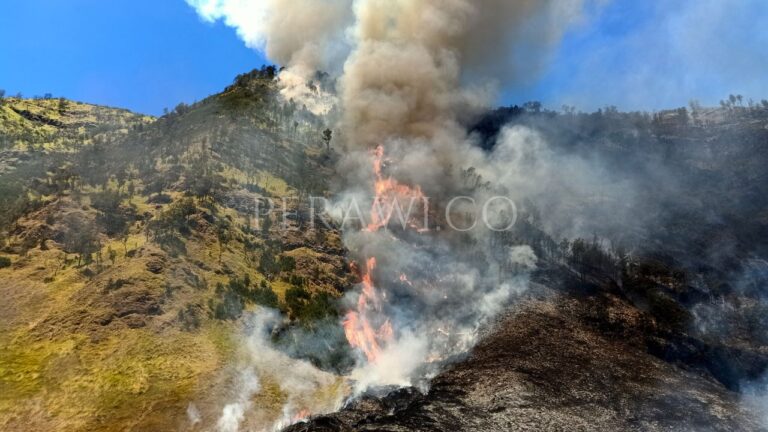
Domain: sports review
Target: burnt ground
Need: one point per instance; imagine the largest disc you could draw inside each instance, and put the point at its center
(561, 360)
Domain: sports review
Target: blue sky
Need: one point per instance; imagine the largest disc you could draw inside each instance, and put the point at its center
(149, 54)
(645, 54)
(139, 54)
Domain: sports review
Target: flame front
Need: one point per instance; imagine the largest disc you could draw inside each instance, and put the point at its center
(367, 328)
(360, 332)
(389, 194)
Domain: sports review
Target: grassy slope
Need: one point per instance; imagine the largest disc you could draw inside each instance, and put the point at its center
(54, 124)
(103, 346)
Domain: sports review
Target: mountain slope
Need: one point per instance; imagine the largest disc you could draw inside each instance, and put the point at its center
(59, 123)
(135, 253)
(555, 362)
(131, 249)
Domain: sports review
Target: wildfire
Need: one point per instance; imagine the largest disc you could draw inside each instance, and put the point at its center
(302, 415)
(389, 194)
(357, 324)
(359, 327)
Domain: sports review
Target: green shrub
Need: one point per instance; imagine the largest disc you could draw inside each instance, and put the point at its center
(227, 306)
(308, 308)
(5, 262)
(231, 298)
(264, 296)
(287, 264)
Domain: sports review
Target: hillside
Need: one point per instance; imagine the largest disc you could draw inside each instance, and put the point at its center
(135, 254)
(647, 309)
(58, 124)
(130, 248)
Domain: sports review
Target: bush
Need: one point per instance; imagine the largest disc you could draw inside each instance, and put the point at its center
(174, 220)
(231, 298)
(80, 237)
(5, 262)
(13, 202)
(287, 264)
(307, 308)
(264, 296)
(268, 265)
(189, 317)
(229, 305)
(116, 220)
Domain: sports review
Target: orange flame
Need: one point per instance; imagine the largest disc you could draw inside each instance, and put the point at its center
(358, 327)
(302, 415)
(388, 194)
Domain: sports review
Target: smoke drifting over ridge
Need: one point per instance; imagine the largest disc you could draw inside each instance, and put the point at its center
(303, 33)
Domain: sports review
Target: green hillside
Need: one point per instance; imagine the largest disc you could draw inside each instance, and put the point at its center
(60, 124)
(130, 251)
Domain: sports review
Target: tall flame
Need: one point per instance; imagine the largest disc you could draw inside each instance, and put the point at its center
(389, 193)
(359, 327)
(357, 324)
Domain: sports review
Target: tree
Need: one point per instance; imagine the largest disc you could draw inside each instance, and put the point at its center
(113, 217)
(80, 237)
(13, 202)
(223, 235)
(266, 225)
(63, 105)
(2, 93)
(287, 264)
(264, 295)
(327, 136)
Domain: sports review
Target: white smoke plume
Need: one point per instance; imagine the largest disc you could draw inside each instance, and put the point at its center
(303, 33)
(304, 36)
(265, 378)
(193, 414)
(234, 413)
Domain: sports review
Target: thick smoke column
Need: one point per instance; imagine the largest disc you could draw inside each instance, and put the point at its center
(405, 75)
(415, 73)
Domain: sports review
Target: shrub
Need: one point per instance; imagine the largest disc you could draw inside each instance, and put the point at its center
(307, 308)
(264, 296)
(228, 304)
(231, 298)
(80, 237)
(5, 262)
(268, 265)
(189, 317)
(174, 220)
